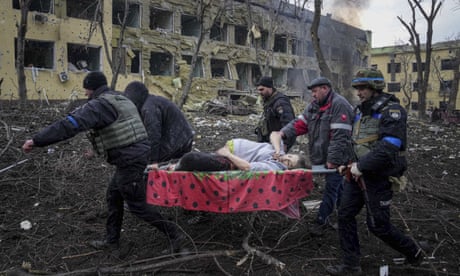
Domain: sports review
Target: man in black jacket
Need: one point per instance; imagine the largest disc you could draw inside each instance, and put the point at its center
(116, 131)
(277, 113)
(169, 132)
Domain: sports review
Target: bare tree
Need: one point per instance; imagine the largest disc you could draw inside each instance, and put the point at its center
(206, 17)
(406, 81)
(20, 49)
(323, 67)
(115, 61)
(423, 73)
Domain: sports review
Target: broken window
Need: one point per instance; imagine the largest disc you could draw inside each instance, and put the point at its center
(198, 70)
(241, 34)
(38, 54)
(280, 45)
(279, 77)
(219, 69)
(218, 32)
(161, 20)
(295, 79)
(263, 40)
(130, 60)
(133, 18)
(394, 86)
(45, 6)
(255, 73)
(83, 57)
(190, 26)
(244, 71)
(415, 86)
(83, 9)
(161, 64)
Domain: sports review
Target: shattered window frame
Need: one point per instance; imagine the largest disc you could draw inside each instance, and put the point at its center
(44, 6)
(130, 60)
(219, 68)
(84, 57)
(296, 46)
(241, 34)
(82, 9)
(198, 71)
(163, 22)
(280, 43)
(191, 27)
(133, 18)
(163, 68)
(37, 54)
(218, 32)
(447, 64)
(445, 87)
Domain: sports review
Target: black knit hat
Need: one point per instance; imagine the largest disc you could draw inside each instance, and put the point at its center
(94, 80)
(265, 81)
(137, 92)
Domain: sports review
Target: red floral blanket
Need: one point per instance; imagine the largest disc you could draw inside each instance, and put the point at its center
(230, 191)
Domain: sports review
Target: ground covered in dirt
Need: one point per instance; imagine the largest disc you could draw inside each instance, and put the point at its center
(53, 204)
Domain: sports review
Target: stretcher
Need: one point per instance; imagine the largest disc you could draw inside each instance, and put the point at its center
(232, 191)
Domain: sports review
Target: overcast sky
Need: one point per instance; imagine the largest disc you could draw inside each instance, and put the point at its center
(380, 16)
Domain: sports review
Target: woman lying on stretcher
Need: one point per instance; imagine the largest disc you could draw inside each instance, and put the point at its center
(242, 154)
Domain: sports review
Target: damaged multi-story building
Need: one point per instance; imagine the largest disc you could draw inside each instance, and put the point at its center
(241, 40)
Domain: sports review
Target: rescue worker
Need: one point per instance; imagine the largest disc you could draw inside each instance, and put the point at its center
(169, 132)
(116, 131)
(277, 112)
(379, 135)
(327, 121)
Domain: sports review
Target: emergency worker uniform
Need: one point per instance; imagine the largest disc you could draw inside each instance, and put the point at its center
(117, 132)
(328, 127)
(277, 113)
(379, 134)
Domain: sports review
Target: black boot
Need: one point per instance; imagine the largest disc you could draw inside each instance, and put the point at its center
(344, 269)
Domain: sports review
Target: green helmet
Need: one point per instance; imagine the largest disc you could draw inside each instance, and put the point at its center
(370, 77)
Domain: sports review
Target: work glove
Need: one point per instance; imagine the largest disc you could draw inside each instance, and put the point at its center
(355, 171)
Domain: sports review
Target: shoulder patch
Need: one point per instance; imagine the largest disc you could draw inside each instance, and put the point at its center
(279, 109)
(395, 114)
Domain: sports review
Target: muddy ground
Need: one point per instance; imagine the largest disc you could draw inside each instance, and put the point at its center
(62, 195)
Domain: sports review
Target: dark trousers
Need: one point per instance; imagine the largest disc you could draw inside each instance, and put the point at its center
(127, 185)
(331, 196)
(203, 161)
(351, 203)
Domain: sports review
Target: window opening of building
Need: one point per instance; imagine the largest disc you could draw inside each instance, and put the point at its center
(241, 34)
(296, 80)
(280, 44)
(198, 70)
(279, 77)
(37, 54)
(45, 6)
(83, 9)
(218, 32)
(394, 87)
(83, 58)
(219, 69)
(161, 20)
(447, 64)
(133, 18)
(190, 26)
(161, 64)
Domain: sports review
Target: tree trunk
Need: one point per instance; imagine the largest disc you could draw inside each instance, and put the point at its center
(323, 67)
(20, 50)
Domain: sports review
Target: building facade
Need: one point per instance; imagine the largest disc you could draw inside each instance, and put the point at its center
(399, 66)
(240, 43)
